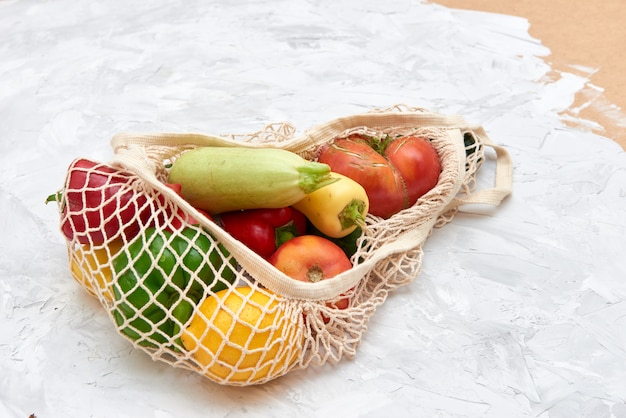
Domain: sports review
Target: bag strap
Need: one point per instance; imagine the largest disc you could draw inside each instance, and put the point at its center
(124, 140)
(313, 136)
(503, 183)
(375, 119)
(492, 196)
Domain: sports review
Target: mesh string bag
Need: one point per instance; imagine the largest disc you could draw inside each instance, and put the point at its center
(184, 291)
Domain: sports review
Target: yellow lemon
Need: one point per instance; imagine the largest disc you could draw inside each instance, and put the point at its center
(246, 336)
(93, 265)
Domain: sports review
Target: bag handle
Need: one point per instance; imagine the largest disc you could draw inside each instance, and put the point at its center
(313, 136)
(125, 140)
(503, 182)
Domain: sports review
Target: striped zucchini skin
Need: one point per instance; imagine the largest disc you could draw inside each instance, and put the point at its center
(222, 179)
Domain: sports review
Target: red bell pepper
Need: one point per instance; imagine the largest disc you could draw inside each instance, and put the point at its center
(264, 230)
(182, 219)
(100, 203)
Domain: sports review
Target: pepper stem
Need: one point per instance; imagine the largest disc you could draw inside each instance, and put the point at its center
(314, 175)
(55, 197)
(285, 233)
(352, 214)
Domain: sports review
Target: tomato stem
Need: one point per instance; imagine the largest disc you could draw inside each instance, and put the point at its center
(315, 273)
(380, 144)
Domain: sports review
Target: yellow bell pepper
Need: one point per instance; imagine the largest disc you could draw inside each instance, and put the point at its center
(91, 266)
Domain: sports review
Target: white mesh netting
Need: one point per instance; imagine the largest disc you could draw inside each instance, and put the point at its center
(185, 292)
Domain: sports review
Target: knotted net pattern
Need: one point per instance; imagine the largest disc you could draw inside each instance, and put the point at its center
(185, 292)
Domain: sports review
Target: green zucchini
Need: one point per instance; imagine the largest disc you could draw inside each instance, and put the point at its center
(221, 179)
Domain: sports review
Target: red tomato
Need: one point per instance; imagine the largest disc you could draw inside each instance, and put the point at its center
(394, 173)
(356, 159)
(310, 258)
(418, 163)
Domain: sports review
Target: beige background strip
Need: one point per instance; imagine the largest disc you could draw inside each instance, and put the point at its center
(579, 33)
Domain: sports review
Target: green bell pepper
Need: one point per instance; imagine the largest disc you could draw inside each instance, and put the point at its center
(165, 272)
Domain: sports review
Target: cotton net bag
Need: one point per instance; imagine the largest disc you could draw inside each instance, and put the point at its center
(185, 292)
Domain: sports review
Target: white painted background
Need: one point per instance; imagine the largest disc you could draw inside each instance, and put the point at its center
(519, 311)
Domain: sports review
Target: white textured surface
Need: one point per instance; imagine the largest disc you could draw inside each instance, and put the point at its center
(519, 310)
